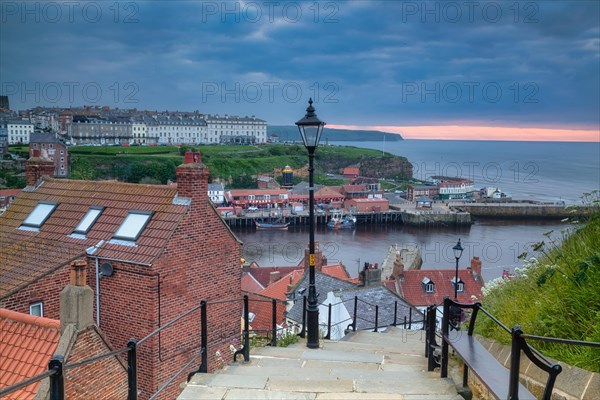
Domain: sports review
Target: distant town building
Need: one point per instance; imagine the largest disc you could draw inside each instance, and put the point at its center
(19, 131)
(373, 204)
(257, 197)
(456, 189)
(415, 191)
(99, 130)
(267, 182)
(237, 130)
(7, 196)
(3, 139)
(216, 193)
(55, 148)
(350, 173)
(424, 202)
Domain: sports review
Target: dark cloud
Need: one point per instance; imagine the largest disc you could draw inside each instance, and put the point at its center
(366, 62)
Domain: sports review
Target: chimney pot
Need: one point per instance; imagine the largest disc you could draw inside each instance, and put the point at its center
(78, 273)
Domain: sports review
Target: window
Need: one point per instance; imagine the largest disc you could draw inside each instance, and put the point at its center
(36, 309)
(88, 220)
(133, 225)
(428, 285)
(460, 286)
(39, 215)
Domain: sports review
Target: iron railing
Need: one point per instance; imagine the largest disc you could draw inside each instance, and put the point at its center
(57, 366)
(452, 313)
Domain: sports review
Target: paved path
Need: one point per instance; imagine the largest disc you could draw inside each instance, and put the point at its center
(366, 365)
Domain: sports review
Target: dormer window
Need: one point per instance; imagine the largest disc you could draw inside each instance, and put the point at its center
(428, 285)
(39, 215)
(460, 286)
(88, 220)
(133, 225)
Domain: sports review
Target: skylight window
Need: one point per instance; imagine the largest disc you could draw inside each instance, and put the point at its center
(88, 220)
(39, 215)
(134, 224)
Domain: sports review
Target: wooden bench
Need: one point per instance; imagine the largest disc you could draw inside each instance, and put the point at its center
(484, 365)
(501, 382)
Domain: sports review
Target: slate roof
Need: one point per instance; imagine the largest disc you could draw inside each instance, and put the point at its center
(27, 255)
(324, 284)
(369, 297)
(26, 345)
(412, 288)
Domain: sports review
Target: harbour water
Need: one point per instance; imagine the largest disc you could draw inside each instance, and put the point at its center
(527, 170)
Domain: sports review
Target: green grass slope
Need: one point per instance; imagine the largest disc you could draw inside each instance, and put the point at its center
(556, 294)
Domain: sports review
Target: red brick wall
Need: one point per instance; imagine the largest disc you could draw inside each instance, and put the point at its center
(46, 289)
(103, 379)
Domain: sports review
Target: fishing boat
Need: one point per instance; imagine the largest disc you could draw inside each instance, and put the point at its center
(277, 225)
(341, 221)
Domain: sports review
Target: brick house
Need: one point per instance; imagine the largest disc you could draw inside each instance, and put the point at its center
(167, 246)
(74, 337)
(55, 149)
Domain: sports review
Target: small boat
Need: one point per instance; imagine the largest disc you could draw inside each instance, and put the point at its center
(341, 221)
(275, 225)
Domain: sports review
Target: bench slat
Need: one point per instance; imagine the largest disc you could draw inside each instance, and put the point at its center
(484, 365)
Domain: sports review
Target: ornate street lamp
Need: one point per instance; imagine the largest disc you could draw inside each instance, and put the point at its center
(310, 129)
(458, 250)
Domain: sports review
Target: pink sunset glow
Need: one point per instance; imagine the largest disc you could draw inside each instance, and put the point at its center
(456, 132)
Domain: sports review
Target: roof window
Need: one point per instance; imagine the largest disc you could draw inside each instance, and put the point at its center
(133, 225)
(88, 220)
(39, 215)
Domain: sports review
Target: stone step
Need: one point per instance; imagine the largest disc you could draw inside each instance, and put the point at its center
(365, 366)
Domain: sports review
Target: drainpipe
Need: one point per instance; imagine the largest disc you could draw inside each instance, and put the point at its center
(90, 251)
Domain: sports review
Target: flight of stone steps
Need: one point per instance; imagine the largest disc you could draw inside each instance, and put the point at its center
(365, 365)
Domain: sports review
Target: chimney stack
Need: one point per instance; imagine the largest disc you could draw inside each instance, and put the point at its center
(77, 299)
(320, 261)
(192, 178)
(37, 166)
(476, 268)
(274, 276)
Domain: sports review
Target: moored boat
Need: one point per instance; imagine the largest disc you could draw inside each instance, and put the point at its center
(341, 221)
(275, 225)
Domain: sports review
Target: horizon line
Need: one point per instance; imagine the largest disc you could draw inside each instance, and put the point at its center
(482, 132)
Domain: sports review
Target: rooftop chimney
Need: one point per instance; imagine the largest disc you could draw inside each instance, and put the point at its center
(37, 166)
(192, 178)
(274, 276)
(77, 299)
(476, 268)
(320, 261)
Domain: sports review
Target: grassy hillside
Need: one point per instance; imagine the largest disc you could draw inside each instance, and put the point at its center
(233, 164)
(556, 294)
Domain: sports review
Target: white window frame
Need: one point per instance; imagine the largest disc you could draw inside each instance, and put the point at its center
(429, 287)
(37, 222)
(33, 306)
(120, 233)
(88, 220)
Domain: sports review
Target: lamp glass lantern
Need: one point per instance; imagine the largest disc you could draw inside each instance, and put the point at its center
(458, 250)
(311, 128)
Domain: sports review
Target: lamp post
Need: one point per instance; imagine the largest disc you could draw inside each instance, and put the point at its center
(310, 129)
(458, 249)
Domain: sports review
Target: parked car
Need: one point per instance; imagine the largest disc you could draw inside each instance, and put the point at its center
(252, 208)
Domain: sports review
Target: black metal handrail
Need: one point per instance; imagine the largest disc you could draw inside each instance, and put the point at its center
(518, 344)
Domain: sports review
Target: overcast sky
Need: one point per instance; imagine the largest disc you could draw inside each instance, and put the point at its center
(366, 63)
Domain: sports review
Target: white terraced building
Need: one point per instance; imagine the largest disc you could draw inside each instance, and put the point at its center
(191, 129)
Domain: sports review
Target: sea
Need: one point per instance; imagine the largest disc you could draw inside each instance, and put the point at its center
(550, 172)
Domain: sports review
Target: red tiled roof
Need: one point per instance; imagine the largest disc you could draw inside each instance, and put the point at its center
(26, 255)
(263, 274)
(337, 271)
(26, 345)
(256, 192)
(250, 284)
(326, 191)
(262, 307)
(278, 290)
(9, 192)
(411, 288)
(350, 171)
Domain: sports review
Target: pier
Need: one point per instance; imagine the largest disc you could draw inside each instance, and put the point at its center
(442, 214)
